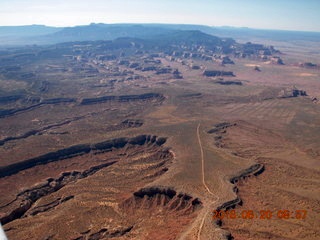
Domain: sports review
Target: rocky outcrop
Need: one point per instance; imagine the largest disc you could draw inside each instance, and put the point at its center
(123, 98)
(87, 101)
(195, 67)
(107, 57)
(252, 49)
(166, 198)
(254, 170)
(314, 99)
(257, 68)
(297, 92)
(228, 82)
(132, 123)
(134, 65)
(148, 68)
(191, 95)
(219, 131)
(163, 70)
(223, 60)
(177, 74)
(292, 92)
(58, 100)
(276, 60)
(217, 73)
(220, 127)
(309, 65)
(230, 204)
(104, 233)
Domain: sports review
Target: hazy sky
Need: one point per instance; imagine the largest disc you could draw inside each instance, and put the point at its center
(268, 14)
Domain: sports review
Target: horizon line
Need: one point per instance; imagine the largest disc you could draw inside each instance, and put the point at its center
(159, 23)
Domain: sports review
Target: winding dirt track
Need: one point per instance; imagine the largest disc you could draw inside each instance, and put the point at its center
(204, 183)
(202, 162)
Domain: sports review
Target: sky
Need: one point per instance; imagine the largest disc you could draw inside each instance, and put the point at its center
(303, 15)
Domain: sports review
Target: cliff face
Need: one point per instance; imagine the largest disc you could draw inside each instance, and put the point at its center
(292, 92)
(85, 101)
(216, 73)
(78, 150)
(123, 98)
(35, 104)
(158, 197)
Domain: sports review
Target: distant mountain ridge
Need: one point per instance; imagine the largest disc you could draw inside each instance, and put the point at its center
(44, 35)
(28, 30)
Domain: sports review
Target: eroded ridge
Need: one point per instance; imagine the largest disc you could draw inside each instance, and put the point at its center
(84, 101)
(169, 212)
(78, 150)
(253, 170)
(26, 198)
(123, 98)
(166, 198)
(39, 103)
(78, 168)
(125, 124)
(219, 131)
(104, 233)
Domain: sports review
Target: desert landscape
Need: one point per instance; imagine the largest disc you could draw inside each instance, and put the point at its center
(178, 135)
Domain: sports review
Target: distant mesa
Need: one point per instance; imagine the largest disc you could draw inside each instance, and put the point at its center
(276, 60)
(222, 60)
(133, 122)
(123, 98)
(191, 95)
(257, 68)
(292, 92)
(309, 65)
(104, 40)
(221, 127)
(128, 123)
(255, 51)
(314, 99)
(195, 67)
(177, 74)
(222, 81)
(217, 73)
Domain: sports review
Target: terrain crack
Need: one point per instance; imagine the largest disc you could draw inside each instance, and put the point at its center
(128, 123)
(41, 130)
